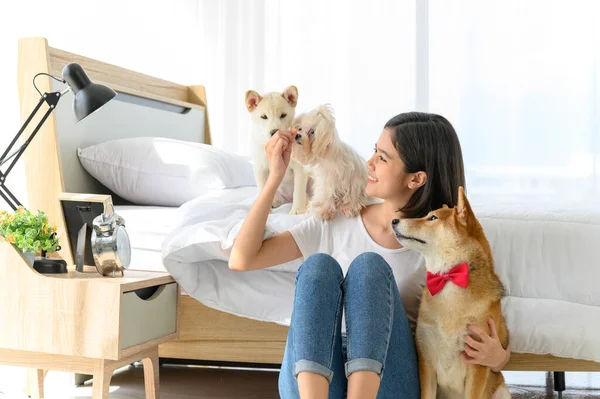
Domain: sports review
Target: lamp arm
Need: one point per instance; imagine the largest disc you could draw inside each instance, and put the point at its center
(5, 158)
(9, 157)
(51, 99)
(29, 118)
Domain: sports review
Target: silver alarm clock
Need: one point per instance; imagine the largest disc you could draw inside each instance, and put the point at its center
(110, 243)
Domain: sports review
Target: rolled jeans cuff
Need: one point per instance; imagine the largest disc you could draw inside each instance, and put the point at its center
(312, 367)
(363, 364)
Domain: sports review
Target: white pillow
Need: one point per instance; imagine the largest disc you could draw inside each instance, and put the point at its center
(164, 172)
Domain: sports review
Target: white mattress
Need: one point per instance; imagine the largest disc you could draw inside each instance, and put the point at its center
(546, 254)
(147, 227)
(545, 250)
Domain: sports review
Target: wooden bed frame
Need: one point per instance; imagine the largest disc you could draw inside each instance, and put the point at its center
(205, 334)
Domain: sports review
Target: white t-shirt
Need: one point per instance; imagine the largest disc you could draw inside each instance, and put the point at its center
(345, 238)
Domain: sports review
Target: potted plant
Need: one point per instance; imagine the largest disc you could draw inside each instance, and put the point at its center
(29, 232)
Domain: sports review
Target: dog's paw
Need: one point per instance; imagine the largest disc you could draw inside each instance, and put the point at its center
(299, 207)
(313, 205)
(314, 208)
(327, 214)
(297, 211)
(351, 210)
(321, 211)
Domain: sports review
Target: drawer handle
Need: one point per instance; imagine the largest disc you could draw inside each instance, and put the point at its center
(149, 293)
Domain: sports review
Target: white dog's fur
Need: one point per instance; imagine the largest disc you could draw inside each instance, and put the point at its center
(269, 113)
(339, 174)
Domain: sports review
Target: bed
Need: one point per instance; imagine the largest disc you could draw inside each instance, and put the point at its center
(205, 334)
(208, 334)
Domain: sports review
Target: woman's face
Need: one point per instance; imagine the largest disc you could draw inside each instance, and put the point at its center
(387, 177)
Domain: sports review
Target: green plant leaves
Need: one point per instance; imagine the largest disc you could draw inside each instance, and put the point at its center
(28, 231)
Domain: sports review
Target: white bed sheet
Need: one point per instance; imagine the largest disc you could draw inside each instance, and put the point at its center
(545, 254)
(147, 227)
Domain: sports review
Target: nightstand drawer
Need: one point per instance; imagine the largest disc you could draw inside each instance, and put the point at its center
(143, 320)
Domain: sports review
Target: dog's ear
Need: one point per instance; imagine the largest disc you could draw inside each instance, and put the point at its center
(252, 100)
(326, 111)
(444, 206)
(463, 208)
(290, 94)
(324, 138)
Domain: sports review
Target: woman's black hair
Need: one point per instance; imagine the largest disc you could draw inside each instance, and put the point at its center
(428, 142)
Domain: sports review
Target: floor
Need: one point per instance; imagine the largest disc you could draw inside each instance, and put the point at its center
(181, 382)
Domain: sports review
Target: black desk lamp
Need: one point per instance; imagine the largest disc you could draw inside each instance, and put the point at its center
(88, 98)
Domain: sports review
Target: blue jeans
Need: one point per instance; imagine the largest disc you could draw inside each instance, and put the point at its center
(379, 338)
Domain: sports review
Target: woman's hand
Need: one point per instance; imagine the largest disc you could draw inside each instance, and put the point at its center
(488, 351)
(279, 151)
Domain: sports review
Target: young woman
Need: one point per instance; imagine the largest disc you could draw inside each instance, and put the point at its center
(358, 290)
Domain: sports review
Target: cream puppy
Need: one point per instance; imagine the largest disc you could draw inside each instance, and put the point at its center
(339, 174)
(269, 113)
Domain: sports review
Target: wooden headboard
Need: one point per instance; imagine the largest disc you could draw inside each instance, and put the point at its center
(51, 163)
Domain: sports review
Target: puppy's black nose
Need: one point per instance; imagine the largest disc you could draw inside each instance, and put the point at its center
(274, 131)
(395, 222)
(298, 137)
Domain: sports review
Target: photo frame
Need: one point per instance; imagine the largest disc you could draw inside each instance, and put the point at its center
(79, 211)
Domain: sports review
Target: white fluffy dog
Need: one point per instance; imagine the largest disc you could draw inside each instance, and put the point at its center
(269, 113)
(339, 174)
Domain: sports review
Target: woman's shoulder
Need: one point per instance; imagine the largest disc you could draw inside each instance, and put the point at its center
(341, 219)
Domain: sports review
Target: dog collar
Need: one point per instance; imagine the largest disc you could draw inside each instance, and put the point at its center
(459, 275)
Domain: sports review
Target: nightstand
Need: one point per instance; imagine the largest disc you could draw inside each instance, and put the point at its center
(84, 322)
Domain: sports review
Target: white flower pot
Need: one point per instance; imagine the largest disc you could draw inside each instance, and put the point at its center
(29, 257)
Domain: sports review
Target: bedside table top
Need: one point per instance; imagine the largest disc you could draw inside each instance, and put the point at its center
(132, 280)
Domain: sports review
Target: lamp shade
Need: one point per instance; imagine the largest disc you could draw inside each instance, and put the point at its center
(88, 96)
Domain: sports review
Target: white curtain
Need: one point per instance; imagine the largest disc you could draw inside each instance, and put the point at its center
(519, 80)
(359, 57)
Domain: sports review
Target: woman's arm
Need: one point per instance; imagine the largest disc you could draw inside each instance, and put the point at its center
(249, 252)
(487, 352)
(504, 361)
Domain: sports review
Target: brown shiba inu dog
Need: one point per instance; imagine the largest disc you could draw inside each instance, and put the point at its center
(462, 289)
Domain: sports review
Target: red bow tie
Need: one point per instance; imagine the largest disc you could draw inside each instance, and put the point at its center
(459, 275)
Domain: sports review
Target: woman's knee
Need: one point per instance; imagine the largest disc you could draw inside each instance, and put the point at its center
(369, 265)
(320, 267)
